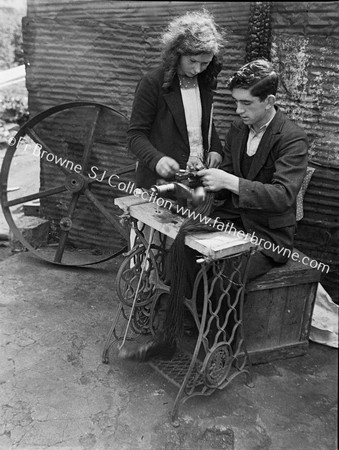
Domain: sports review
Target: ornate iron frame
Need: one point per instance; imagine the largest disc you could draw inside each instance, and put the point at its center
(220, 352)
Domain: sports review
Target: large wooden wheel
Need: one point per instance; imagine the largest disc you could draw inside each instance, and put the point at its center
(76, 165)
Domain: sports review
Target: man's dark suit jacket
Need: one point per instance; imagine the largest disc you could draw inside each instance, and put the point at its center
(267, 196)
(158, 125)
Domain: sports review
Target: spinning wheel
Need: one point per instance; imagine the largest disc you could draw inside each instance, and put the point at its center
(76, 165)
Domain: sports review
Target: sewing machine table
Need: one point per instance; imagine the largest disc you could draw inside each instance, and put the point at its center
(218, 353)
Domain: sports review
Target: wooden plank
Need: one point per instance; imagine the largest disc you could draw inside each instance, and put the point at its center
(308, 311)
(291, 321)
(214, 244)
(125, 202)
(257, 311)
(290, 280)
(278, 311)
(291, 273)
(281, 352)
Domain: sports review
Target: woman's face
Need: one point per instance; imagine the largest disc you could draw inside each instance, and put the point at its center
(192, 65)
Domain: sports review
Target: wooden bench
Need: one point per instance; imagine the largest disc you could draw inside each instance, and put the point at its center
(278, 311)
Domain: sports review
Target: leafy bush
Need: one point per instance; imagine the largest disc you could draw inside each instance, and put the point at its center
(11, 51)
(18, 45)
(14, 110)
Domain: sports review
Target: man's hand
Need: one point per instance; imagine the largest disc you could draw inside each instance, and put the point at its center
(216, 179)
(167, 167)
(214, 160)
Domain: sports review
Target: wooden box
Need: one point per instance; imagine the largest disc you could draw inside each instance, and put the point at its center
(278, 311)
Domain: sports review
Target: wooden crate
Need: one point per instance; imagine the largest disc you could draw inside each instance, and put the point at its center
(278, 310)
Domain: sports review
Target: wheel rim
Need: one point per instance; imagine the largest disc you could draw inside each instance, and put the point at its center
(71, 195)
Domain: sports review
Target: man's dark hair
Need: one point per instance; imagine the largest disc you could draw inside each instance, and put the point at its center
(258, 76)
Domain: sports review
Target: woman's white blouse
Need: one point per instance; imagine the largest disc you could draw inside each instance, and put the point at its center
(193, 113)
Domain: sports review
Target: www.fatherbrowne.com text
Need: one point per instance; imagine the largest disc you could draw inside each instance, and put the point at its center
(129, 188)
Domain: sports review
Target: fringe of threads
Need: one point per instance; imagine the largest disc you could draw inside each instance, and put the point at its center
(174, 323)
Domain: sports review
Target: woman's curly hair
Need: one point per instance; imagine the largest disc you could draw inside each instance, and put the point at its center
(192, 34)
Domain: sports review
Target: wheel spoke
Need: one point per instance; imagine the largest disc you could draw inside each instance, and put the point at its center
(32, 134)
(128, 169)
(112, 220)
(64, 233)
(88, 147)
(61, 247)
(28, 198)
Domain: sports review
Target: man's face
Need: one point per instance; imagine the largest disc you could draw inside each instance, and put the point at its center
(191, 65)
(251, 109)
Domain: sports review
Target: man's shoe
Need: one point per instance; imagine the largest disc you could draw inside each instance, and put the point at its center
(143, 352)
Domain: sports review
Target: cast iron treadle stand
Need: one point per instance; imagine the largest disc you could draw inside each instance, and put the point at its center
(219, 353)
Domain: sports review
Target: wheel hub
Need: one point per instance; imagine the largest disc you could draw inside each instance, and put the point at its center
(75, 182)
(66, 223)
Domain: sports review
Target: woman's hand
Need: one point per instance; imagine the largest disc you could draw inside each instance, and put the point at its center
(214, 160)
(194, 164)
(167, 167)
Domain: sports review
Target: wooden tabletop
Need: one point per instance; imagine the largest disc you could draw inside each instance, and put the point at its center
(214, 245)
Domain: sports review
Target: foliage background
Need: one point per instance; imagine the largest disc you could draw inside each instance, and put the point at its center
(13, 98)
(11, 13)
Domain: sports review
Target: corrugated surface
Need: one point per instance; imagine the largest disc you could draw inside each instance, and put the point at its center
(306, 18)
(321, 216)
(98, 51)
(305, 50)
(137, 12)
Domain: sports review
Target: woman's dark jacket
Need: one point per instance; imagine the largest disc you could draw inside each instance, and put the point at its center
(158, 126)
